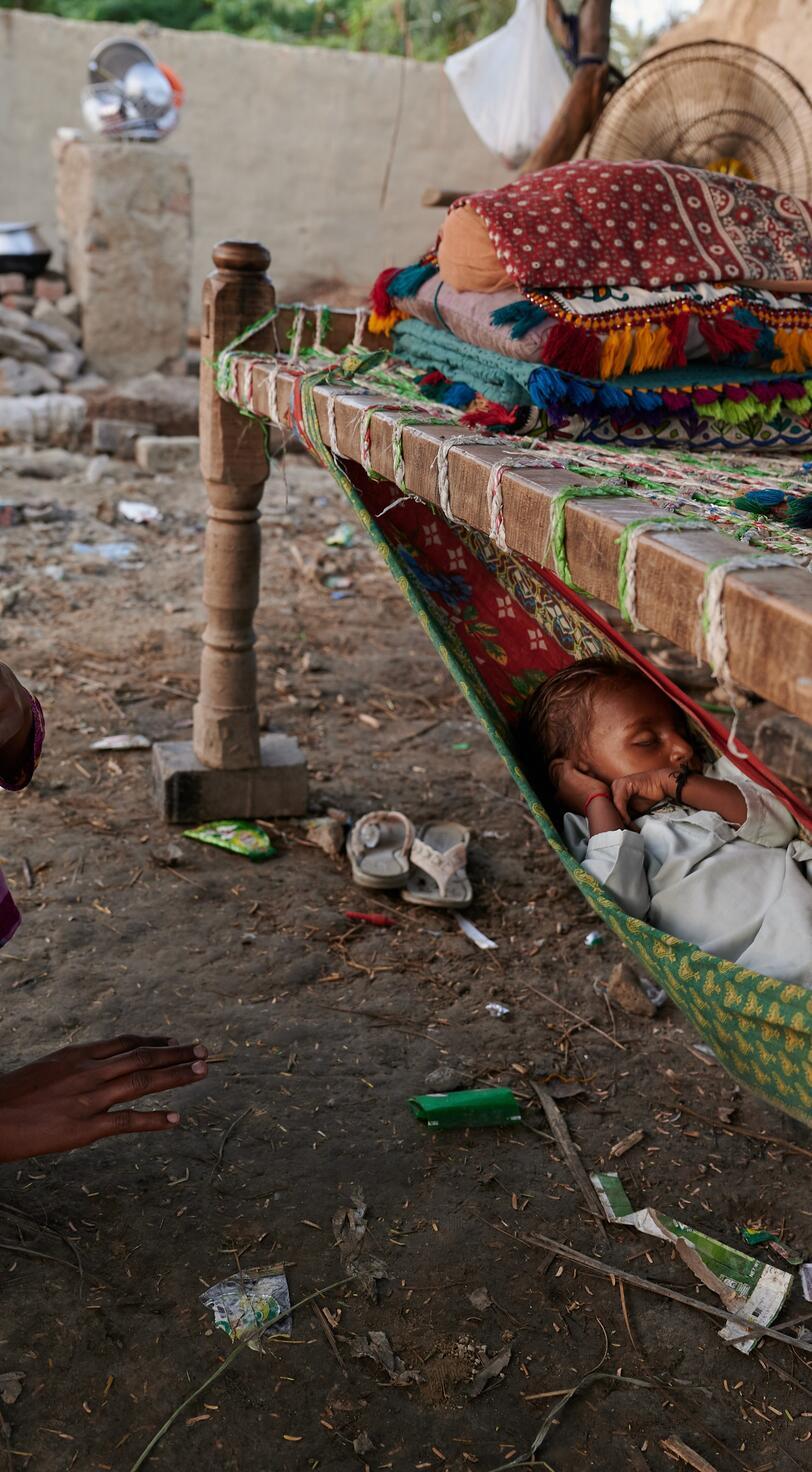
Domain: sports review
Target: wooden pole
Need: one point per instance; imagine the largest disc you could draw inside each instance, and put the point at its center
(582, 105)
(234, 468)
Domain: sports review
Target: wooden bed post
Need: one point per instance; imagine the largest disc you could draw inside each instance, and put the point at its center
(229, 770)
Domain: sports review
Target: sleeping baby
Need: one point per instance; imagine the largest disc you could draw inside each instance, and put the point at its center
(687, 843)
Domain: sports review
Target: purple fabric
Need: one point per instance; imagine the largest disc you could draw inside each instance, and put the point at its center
(14, 782)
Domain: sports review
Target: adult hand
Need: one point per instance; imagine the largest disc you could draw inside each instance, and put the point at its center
(639, 792)
(572, 786)
(68, 1099)
(16, 720)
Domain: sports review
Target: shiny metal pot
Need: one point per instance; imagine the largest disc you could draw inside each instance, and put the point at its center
(23, 249)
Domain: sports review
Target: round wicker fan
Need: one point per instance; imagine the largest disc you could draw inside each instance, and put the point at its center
(712, 104)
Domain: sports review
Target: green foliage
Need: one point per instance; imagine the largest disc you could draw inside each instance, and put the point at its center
(426, 29)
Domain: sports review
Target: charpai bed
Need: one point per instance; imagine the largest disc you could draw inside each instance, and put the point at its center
(494, 540)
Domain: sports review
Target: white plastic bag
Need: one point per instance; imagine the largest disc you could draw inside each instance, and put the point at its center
(511, 84)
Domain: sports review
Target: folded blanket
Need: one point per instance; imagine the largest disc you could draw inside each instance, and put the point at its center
(607, 331)
(675, 406)
(499, 379)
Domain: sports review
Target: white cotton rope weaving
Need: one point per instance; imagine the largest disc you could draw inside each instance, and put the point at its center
(331, 426)
(657, 524)
(496, 507)
(712, 609)
(366, 433)
(361, 319)
(297, 333)
(319, 328)
(273, 400)
(445, 447)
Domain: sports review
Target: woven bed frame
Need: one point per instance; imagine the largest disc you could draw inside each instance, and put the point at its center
(225, 772)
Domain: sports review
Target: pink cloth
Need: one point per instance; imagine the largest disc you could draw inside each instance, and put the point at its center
(14, 782)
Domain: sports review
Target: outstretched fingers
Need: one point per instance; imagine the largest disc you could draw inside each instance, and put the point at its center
(135, 1122)
(141, 1081)
(143, 1059)
(125, 1043)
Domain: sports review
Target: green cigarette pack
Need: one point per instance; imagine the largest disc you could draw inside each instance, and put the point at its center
(466, 1107)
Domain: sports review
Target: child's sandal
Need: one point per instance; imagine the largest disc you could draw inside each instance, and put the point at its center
(378, 849)
(438, 877)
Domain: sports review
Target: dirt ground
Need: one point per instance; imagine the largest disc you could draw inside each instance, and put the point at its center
(324, 1029)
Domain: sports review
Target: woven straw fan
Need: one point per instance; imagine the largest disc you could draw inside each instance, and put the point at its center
(713, 104)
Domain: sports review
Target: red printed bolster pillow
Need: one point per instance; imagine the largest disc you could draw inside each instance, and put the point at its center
(594, 223)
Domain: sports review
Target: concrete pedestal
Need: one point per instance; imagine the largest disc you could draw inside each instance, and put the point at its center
(188, 792)
(125, 217)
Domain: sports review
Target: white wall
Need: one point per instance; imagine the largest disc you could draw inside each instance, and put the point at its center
(289, 145)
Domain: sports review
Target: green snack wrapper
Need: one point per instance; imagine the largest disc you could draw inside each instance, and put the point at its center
(466, 1107)
(245, 839)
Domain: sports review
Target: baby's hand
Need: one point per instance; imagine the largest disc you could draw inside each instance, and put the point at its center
(572, 786)
(639, 792)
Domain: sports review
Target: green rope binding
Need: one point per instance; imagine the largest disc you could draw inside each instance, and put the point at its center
(669, 522)
(557, 543)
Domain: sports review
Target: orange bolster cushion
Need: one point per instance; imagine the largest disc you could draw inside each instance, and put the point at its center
(467, 256)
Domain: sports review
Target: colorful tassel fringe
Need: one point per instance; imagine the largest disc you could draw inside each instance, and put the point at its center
(559, 393)
(521, 317)
(383, 315)
(796, 511)
(409, 281)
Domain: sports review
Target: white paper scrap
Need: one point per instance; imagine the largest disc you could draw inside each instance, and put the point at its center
(141, 512)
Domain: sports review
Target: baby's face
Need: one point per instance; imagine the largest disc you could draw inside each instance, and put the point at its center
(636, 729)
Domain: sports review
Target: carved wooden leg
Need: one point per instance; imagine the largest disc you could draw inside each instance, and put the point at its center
(229, 770)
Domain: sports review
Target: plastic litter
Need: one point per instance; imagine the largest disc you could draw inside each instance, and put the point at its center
(511, 84)
(753, 1289)
(122, 741)
(341, 536)
(593, 939)
(806, 1281)
(497, 1009)
(756, 1236)
(237, 837)
(106, 551)
(143, 513)
(382, 920)
(483, 942)
(251, 1305)
(466, 1107)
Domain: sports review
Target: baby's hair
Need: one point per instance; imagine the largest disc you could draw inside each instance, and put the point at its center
(555, 719)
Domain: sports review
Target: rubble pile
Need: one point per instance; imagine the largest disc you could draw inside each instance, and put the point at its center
(49, 396)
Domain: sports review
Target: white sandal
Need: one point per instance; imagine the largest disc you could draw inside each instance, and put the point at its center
(438, 877)
(378, 849)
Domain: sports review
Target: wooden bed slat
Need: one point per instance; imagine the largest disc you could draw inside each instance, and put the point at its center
(768, 612)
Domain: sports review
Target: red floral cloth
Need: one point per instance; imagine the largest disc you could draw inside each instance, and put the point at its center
(592, 223)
